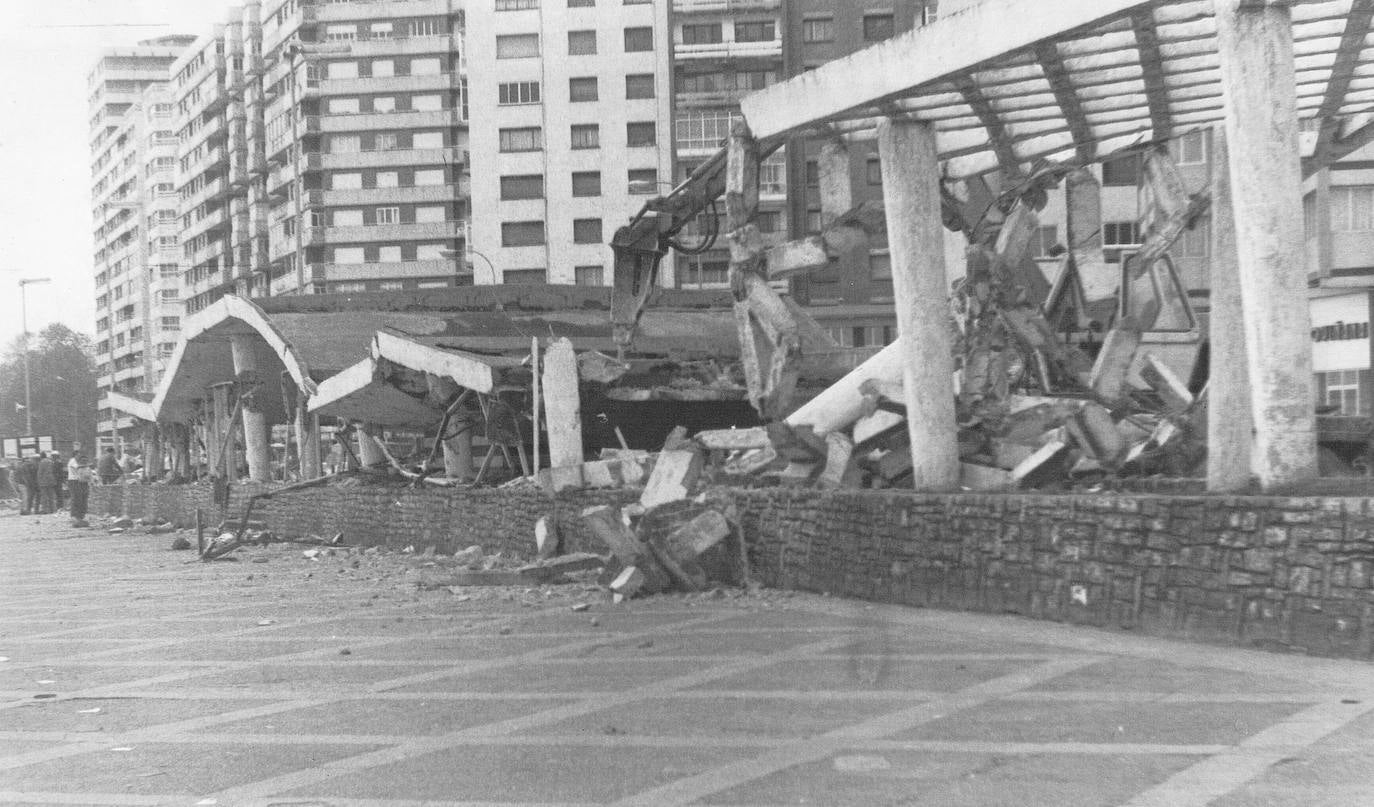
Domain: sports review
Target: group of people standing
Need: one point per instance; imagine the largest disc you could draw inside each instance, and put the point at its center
(44, 481)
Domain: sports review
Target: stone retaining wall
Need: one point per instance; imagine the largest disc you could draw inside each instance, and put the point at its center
(501, 520)
(1278, 573)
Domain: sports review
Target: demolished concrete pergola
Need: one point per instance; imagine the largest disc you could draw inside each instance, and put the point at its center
(1016, 84)
(415, 362)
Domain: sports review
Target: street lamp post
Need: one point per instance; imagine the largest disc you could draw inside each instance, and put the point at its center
(24, 323)
(457, 257)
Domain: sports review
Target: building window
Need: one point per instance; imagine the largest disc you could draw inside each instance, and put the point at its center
(427, 140)
(529, 186)
(387, 179)
(517, 46)
(879, 266)
(706, 271)
(586, 136)
(388, 215)
(581, 43)
(704, 128)
(522, 233)
(586, 231)
(874, 171)
(345, 144)
(708, 33)
(1122, 171)
(640, 134)
(524, 277)
(346, 218)
(582, 89)
(526, 139)
(768, 221)
(639, 39)
(639, 86)
(380, 30)
(383, 68)
(341, 70)
(518, 92)
(581, 3)
(773, 174)
(813, 174)
(384, 141)
(879, 26)
(1191, 149)
(515, 5)
(343, 106)
(764, 31)
(1352, 208)
(586, 183)
(589, 275)
(428, 26)
(643, 180)
(341, 33)
(1117, 234)
(1045, 244)
(1342, 389)
(426, 67)
(818, 30)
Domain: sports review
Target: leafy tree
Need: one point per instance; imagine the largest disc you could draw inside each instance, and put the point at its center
(62, 371)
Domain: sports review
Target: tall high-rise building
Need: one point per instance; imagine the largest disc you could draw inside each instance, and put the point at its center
(134, 215)
(365, 143)
(571, 108)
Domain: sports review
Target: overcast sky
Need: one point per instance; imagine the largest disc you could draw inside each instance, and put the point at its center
(46, 51)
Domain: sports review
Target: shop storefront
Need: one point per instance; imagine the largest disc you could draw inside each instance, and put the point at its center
(1341, 352)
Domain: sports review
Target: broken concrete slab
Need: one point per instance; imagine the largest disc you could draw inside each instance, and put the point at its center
(1114, 361)
(984, 479)
(733, 439)
(674, 475)
(1175, 394)
(839, 459)
(609, 525)
(1043, 466)
(549, 570)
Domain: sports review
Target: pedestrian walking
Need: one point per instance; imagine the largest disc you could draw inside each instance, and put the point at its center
(79, 476)
(47, 483)
(28, 477)
(108, 467)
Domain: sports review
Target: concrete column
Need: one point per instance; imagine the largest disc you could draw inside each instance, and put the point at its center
(219, 450)
(1229, 430)
(256, 431)
(1322, 205)
(308, 441)
(562, 404)
(911, 196)
(1260, 98)
(369, 452)
(458, 456)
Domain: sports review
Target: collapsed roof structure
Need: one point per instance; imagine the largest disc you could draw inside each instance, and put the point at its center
(1009, 85)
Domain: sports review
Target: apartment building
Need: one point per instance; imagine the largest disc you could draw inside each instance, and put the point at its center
(364, 145)
(134, 216)
(572, 102)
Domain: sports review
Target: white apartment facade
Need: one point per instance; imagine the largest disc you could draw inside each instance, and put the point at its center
(136, 264)
(571, 107)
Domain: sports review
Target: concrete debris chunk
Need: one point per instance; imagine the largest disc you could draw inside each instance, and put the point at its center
(675, 473)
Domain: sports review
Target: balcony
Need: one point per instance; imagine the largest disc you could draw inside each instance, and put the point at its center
(395, 158)
(389, 271)
(407, 46)
(212, 251)
(730, 50)
(213, 220)
(374, 10)
(392, 233)
(214, 189)
(360, 86)
(381, 196)
(212, 157)
(724, 6)
(715, 98)
(444, 118)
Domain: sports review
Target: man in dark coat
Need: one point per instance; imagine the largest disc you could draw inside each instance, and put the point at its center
(26, 474)
(60, 466)
(47, 483)
(108, 467)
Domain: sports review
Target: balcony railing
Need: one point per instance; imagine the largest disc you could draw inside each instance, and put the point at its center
(730, 50)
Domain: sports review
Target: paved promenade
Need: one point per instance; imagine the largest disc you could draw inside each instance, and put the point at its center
(130, 677)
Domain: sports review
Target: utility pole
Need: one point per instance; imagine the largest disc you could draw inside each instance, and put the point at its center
(24, 323)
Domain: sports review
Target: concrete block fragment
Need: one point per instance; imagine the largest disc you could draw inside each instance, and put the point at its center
(628, 583)
(1113, 365)
(1176, 395)
(797, 257)
(733, 439)
(982, 478)
(1041, 467)
(674, 475)
(839, 457)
